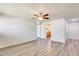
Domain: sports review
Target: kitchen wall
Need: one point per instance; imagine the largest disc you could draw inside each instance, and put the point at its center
(15, 30)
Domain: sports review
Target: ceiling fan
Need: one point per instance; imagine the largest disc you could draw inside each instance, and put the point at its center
(41, 16)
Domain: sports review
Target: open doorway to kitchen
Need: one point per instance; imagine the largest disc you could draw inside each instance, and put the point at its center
(48, 31)
(44, 33)
(48, 34)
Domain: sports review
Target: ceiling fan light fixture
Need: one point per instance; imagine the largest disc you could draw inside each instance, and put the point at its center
(40, 18)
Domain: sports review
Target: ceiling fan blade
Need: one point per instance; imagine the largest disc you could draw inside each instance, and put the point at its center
(46, 18)
(45, 14)
(36, 15)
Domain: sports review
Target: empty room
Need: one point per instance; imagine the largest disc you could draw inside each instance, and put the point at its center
(39, 29)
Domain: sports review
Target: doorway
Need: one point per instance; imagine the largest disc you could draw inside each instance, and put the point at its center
(44, 32)
(48, 31)
(48, 34)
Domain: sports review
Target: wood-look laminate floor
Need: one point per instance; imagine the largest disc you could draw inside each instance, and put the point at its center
(39, 48)
(34, 48)
(71, 48)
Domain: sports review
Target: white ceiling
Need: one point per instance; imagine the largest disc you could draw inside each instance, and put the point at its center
(55, 10)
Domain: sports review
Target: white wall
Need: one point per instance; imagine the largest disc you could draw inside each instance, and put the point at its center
(16, 30)
(58, 30)
(73, 30)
